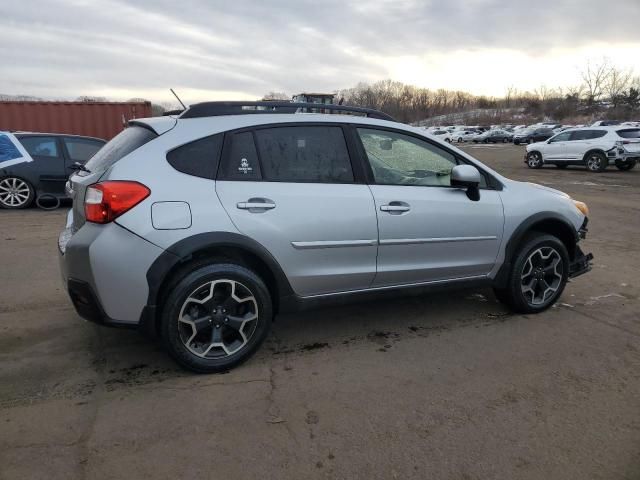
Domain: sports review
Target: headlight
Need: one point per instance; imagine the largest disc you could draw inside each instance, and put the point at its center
(582, 207)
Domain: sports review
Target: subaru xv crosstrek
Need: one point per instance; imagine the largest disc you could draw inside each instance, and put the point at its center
(199, 228)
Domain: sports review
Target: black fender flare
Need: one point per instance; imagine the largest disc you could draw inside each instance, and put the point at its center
(521, 230)
(183, 250)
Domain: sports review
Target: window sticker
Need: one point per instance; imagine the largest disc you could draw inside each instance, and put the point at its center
(9, 153)
(244, 166)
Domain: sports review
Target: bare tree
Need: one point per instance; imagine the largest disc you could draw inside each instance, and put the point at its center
(595, 77)
(618, 81)
(276, 96)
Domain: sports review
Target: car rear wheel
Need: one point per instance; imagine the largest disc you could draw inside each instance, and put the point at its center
(215, 317)
(534, 160)
(538, 275)
(596, 162)
(459, 139)
(15, 193)
(625, 166)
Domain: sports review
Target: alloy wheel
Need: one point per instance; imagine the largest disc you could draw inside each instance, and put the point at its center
(542, 275)
(218, 319)
(534, 159)
(14, 192)
(593, 162)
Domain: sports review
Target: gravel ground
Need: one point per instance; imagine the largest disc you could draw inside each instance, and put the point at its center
(447, 386)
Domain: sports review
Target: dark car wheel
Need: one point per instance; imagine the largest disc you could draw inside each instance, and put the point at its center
(596, 162)
(15, 193)
(534, 160)
(215, 317)
(538, 274)
(625, 166)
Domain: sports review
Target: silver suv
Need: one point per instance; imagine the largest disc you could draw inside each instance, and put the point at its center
(200, 227)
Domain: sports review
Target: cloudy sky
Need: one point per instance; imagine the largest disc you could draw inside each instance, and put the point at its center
(207, 49)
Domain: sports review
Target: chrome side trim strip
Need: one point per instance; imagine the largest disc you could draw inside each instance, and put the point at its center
(402, 285)
(333, 244)
(414, 241)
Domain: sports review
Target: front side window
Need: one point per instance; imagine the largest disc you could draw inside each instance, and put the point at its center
(304, 154)
(398, 159)
(81, 149)
(40, 146)
(563, 137)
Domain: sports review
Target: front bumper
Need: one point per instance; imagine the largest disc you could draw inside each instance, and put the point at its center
(581, 263)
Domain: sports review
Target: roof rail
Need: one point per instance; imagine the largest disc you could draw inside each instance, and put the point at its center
(213, 109)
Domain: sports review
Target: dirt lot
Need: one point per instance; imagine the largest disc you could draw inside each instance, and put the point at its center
(444, 387)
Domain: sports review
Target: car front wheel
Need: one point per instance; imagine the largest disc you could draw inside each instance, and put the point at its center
(538, 275)
(534, 160)
(215, 317)
(15, 193)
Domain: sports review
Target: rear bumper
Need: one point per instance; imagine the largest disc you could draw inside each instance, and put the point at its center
(103, 268)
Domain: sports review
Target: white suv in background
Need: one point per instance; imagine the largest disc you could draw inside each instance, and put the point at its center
(595, 147)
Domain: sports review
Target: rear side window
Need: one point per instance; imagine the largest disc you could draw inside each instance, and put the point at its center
(81, 149)
(40, 146)
(121, 145)
(241, 159)
(304, 154)
(629, 133)
(587, 134)
(199, 158)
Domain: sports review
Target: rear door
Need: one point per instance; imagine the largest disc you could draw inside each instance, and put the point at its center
(582, 141)
(80, 150)
(428, 231)
(295, 190)
(48, 166)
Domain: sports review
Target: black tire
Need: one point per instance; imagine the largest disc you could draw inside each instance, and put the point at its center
(447, 140)
(516, 142)
(534, 160)
(513, 296)
(185, 286)
(596, 162)
(626, 166)
(459, 139)
(561, 166)
(23, 196)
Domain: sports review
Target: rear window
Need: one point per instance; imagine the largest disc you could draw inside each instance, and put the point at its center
(199, 158)
(629, 133)
(121, 145)
(40, 146)
(587, 134)
(241, 159)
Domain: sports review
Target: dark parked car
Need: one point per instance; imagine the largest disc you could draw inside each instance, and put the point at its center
(494, 136)
(532, 135)
(34, 165)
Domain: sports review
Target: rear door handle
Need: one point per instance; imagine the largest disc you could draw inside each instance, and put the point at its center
(395, 208)
(256, 205)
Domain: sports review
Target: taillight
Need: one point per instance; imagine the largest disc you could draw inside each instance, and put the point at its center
(106, 201)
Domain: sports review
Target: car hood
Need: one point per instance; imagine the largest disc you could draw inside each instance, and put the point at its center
(548, 189)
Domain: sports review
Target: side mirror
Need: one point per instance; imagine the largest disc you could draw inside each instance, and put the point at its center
(467, 176)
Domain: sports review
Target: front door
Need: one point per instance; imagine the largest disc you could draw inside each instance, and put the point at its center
(556, 148)
(293, 190)
(428, 231)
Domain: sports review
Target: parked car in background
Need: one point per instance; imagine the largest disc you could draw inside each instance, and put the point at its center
(594, 147)
(531, 135)
(465, 135)
(36, 164)
(493, 136)
(443, 135)
(605, 123)
(198, 227)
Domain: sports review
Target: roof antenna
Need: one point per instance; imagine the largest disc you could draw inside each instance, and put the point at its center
(176, 95)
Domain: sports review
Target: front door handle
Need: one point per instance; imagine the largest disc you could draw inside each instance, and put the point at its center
(256, 205)
(395, 208)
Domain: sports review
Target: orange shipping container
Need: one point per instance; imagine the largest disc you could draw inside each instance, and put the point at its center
(94, 119)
